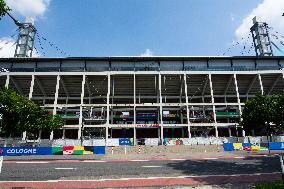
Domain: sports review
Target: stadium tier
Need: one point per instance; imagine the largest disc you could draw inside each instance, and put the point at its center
(144, 97)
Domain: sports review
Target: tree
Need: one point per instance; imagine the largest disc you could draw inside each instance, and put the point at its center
(259, 113)
(20, 114)
(3, 8)
(279, 117)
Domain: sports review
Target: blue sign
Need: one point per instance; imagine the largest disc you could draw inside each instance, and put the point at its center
(25, 151)
(276, 145)
(125, 141)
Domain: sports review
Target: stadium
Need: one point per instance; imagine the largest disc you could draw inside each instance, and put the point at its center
(144, 97)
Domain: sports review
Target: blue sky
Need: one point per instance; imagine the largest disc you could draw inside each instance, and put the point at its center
(129, 27)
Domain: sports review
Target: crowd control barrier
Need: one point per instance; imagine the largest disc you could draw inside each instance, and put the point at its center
(55, 150)
(248, 146)
(276, 145)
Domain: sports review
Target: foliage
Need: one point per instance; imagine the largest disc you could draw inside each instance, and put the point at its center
(270, 185)
(264, 114)
(3, 8)
(20, 114)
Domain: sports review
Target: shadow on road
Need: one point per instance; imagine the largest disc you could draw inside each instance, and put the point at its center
(220, 169)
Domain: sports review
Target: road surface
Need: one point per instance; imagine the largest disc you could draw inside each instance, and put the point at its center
(97, 173)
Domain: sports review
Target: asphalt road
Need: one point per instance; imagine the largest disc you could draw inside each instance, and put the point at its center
(43, 171)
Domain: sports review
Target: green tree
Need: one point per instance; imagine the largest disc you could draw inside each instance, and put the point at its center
(20, 114)
(259, 113)
(278, 128)
(3, 8)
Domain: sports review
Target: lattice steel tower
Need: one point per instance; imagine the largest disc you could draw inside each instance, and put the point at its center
(25, 42)
(261, 40)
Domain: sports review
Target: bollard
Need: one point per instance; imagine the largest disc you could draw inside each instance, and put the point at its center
(139, 150)
(1, 162)
(124, 149)
(112, 150)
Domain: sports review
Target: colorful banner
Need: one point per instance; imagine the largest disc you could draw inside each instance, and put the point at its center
(276, 145)
(173, 141)
(25, 151)
(245, 146)
(55, 150)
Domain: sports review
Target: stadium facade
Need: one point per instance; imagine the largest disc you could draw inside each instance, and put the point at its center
(144, 97)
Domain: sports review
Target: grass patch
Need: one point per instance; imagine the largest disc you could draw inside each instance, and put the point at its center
(270, 185)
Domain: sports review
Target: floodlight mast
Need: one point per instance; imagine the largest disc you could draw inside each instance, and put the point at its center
(261, 40)
(26, 37)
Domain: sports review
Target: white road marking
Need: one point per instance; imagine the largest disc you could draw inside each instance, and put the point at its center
(177, 159)
(64, 168)
(94, 161)
(210, 158)
(151, 166)
(239, 157)
(139, 160)
(31, 162)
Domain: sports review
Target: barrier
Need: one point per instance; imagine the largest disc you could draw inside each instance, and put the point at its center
(246, 146)
(276, 145)
(55, 150)
(20, 151)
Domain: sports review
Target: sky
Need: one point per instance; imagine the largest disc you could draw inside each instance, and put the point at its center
(93, 28)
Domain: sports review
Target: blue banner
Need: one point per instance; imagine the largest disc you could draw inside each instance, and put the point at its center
(125, 141)
(228, 147)
(25, 151)
(276, 145)
(99, 150)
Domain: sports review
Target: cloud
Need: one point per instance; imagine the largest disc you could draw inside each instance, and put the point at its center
(147, 52)
(8, 47)
(32, 8)
(269, 11)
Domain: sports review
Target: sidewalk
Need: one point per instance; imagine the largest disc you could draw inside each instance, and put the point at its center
(151, 153)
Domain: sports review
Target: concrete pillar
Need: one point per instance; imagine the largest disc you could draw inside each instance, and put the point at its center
(7, 81)
(81, 124)
(230, 132)
(212, 100)
(30, 97)
(260, 82)
(239, 101)
(187, 108)
(134, 109)
(55, 101)
(108, 106)
(161, 108)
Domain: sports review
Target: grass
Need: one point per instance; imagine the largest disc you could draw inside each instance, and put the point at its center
(270, 185)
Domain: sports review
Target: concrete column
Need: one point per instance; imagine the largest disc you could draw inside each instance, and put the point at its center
(187, 108)
(239, 101)
(134, 109)
(55, 101)
(63, 133)
(81, 107)
(260, 82)
(161, 108)
(30, 97)
(230, 132)
(7, 81)
(108, 108)
(212, 99)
